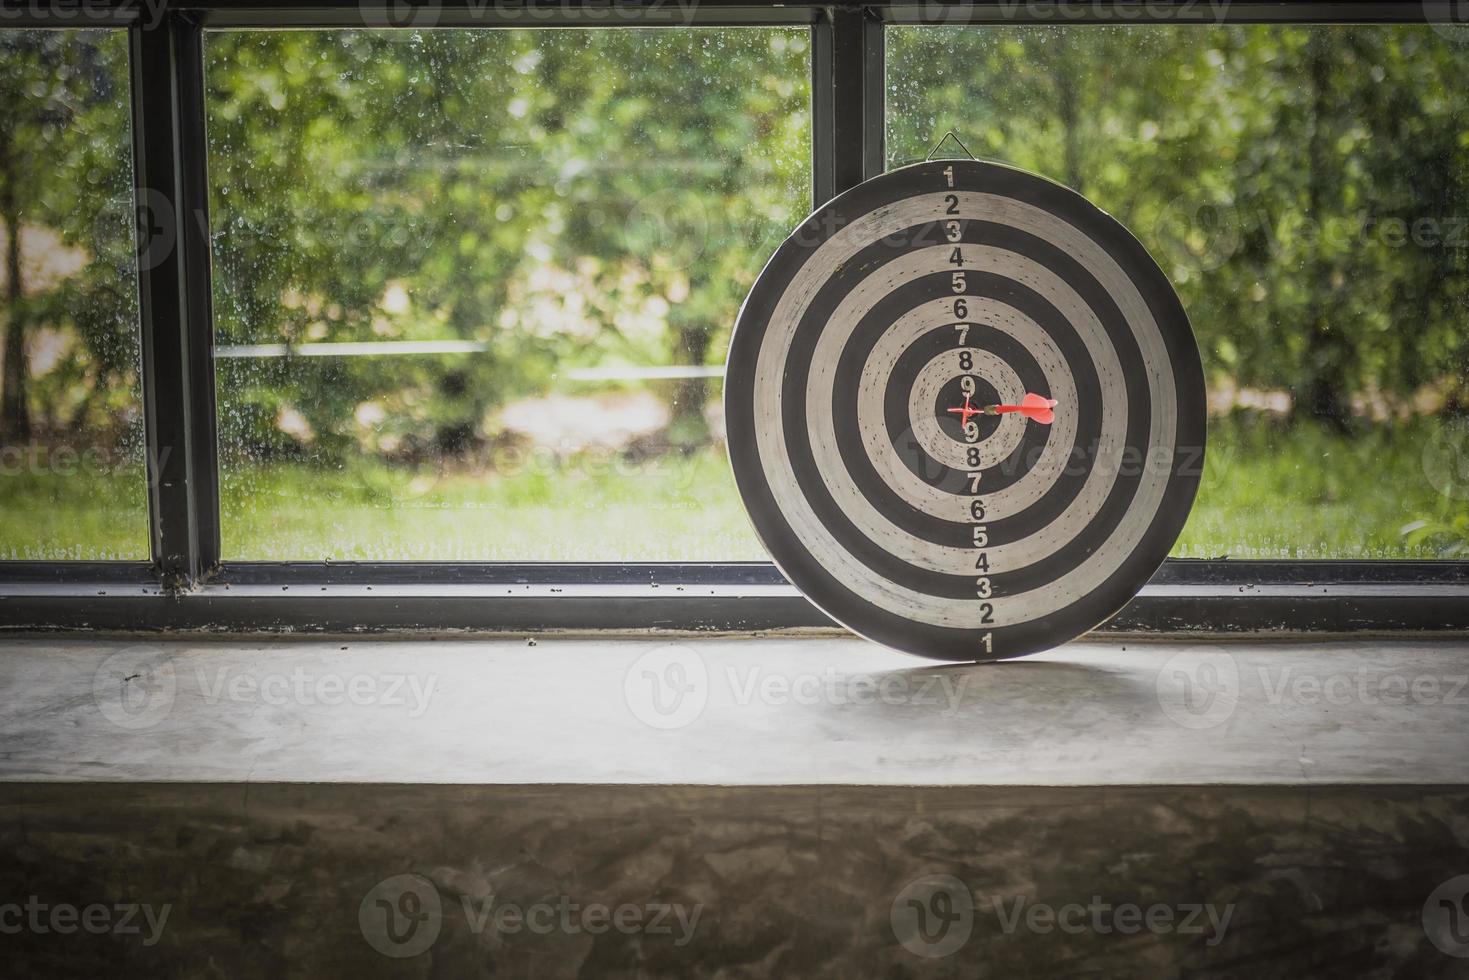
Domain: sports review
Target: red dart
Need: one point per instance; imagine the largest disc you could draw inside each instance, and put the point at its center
(966, 411)
(1032, 406)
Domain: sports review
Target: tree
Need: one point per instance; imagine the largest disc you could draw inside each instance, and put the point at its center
(1277, 173)
(348, 167)
(65, 179)
(31, 110)
(688, 161)
(566, 198)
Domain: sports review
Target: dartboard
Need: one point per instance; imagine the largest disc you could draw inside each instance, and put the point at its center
(965, 411)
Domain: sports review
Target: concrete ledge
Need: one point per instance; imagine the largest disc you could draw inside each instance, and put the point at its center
(743, 807)
(731, 711)
(309, 881)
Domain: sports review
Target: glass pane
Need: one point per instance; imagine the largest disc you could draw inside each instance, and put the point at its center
(473, 287)
(1307, 189)
(72, 480)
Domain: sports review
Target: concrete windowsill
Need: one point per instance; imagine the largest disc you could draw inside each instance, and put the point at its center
(730, 711)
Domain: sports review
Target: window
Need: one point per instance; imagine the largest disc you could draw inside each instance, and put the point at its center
(1307, 190)
(72, 482)
(432, 305)
(473, 287)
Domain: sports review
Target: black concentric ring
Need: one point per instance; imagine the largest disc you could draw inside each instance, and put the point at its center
(1070, 528)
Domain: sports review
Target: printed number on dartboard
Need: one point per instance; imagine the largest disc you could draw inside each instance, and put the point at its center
(979, 531)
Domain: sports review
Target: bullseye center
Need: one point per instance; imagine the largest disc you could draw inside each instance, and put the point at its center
(951, 396)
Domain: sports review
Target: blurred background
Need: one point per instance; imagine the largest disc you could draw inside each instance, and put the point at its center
(473, 288)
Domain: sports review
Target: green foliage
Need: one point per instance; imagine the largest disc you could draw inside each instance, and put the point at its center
(578, 199)
(1275, 490)
(588, 507)
(69, 300)
(567, 198)
(66, 186)
(73, 510)
(1269, 491)
(1304, 187)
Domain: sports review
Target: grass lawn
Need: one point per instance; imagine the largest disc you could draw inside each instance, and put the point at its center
(75, 514)
(665, 509)
(1306, 493)
(1267, 493)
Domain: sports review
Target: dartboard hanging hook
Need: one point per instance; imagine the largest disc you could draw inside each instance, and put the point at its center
(950, 135)
(918, 394)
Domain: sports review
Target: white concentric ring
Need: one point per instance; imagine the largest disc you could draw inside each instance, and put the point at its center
(829, 552)
(878, 527)
(877, 443)
(924, 424)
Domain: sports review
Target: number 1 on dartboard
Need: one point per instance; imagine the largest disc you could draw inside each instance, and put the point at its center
(907, 348)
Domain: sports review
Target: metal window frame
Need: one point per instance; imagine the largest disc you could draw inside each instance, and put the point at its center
(186, 586)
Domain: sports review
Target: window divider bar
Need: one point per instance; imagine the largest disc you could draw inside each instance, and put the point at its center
(846, 99)
(874, 106)
(822, 179)
(166, 59)
(849, 98)
(199, 292)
